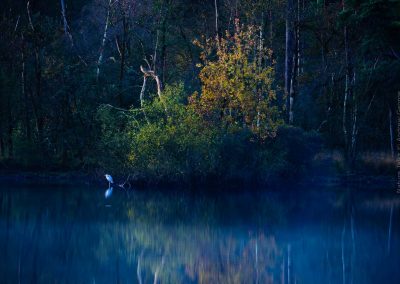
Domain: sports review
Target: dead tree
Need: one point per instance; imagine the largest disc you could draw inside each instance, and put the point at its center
(151, 72)
(148, 72)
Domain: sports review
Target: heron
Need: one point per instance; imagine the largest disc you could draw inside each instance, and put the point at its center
(109, 179)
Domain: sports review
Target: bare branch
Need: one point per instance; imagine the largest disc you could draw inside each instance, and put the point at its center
(16, 24)
(118, 46)
(29, 15)
(395, 53)
(152, 74)
(143, 90)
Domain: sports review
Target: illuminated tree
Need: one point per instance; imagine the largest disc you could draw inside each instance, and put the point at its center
(237, 76)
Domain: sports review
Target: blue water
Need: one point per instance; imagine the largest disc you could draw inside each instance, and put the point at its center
(302, 235)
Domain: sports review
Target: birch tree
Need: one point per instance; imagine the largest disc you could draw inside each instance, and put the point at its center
(104, 39)
(289, 60)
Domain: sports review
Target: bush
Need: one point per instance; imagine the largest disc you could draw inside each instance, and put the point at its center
(299, 148)
(167, 141)
(113, 141)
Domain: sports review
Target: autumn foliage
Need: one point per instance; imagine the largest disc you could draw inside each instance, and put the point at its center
(210, 135)
(237, 74)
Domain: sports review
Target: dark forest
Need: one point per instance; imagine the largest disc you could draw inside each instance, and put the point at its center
(171, 90)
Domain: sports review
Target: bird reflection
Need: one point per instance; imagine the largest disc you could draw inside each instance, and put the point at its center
(108, 192)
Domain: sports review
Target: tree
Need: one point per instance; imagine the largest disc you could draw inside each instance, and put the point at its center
(236, 88)
(289, 36)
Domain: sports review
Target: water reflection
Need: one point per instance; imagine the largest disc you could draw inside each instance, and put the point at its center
(108, 192)
(68, 235)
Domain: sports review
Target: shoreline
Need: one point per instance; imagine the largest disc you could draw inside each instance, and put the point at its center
(68, 178)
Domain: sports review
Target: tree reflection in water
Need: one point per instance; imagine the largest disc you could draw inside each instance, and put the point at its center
(68, 235)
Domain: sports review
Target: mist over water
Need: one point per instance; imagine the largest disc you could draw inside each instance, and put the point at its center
(304, 235)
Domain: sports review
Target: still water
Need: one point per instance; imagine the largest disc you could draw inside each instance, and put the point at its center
(309, 235)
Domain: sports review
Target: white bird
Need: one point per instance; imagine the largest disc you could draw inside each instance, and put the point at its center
(109, 179)
(108, 192)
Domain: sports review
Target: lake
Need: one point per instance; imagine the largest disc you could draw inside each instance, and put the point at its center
(54, 234)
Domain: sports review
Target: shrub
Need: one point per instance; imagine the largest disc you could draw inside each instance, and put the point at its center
(299, 148)
(179, 145)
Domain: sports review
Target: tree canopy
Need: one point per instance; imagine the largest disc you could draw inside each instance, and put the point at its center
(183, 89)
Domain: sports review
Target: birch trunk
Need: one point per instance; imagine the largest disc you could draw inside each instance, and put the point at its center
(23, 89)
(288, 55)
(10, 132)
(354, 134)
(103, 41)
(295, 67)
(142, 91)
(163, 57)
(122, 52)
(347, 94)
(293, 86)
(216, 17)
(65, 23)
(271, 27)
(2, 150)
(36, 100)
(390, 230)
(391, 132)
(298, 40)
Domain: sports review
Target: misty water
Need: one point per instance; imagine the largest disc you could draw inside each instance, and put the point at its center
(51, 234)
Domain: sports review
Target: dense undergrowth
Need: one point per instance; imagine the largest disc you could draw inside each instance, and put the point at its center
(180, 146)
